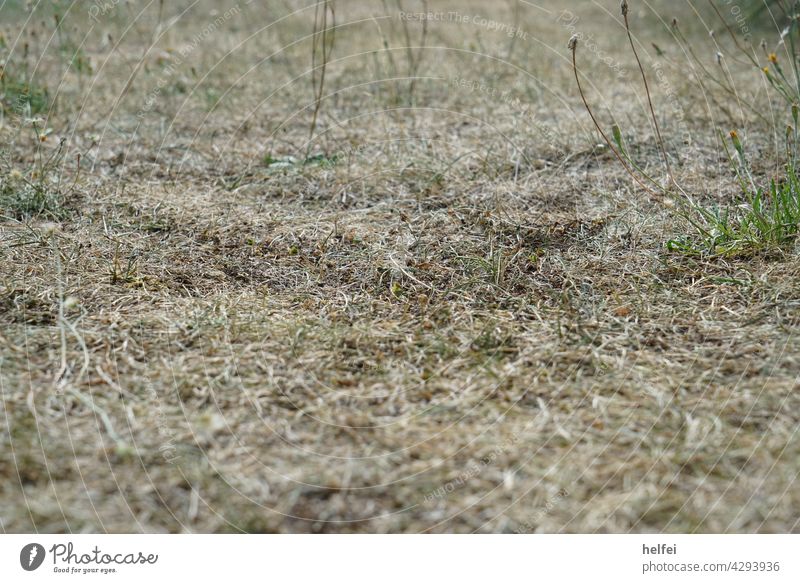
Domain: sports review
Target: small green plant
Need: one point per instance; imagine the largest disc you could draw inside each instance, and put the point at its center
(766, 217)
(495, 264)
(124, 272)
(19, 96)
(285, 162)
(35, 190)
(763, 217)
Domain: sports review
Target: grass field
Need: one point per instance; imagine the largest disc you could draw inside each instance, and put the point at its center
(401, 286)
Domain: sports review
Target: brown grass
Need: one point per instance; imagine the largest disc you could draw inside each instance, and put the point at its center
(462, 319)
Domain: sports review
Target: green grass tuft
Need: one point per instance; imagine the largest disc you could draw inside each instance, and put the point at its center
(769, 219)
(21, 97)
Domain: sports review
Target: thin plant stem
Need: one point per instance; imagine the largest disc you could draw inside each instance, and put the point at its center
(320, 38)
(573, 45)
(624, 8)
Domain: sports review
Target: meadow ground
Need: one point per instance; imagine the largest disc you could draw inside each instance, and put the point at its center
(443, 308)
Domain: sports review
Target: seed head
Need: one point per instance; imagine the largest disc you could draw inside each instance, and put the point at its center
(773, 58)
(624, 7)
(573, 42)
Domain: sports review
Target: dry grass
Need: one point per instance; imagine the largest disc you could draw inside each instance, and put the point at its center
(463, 318)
